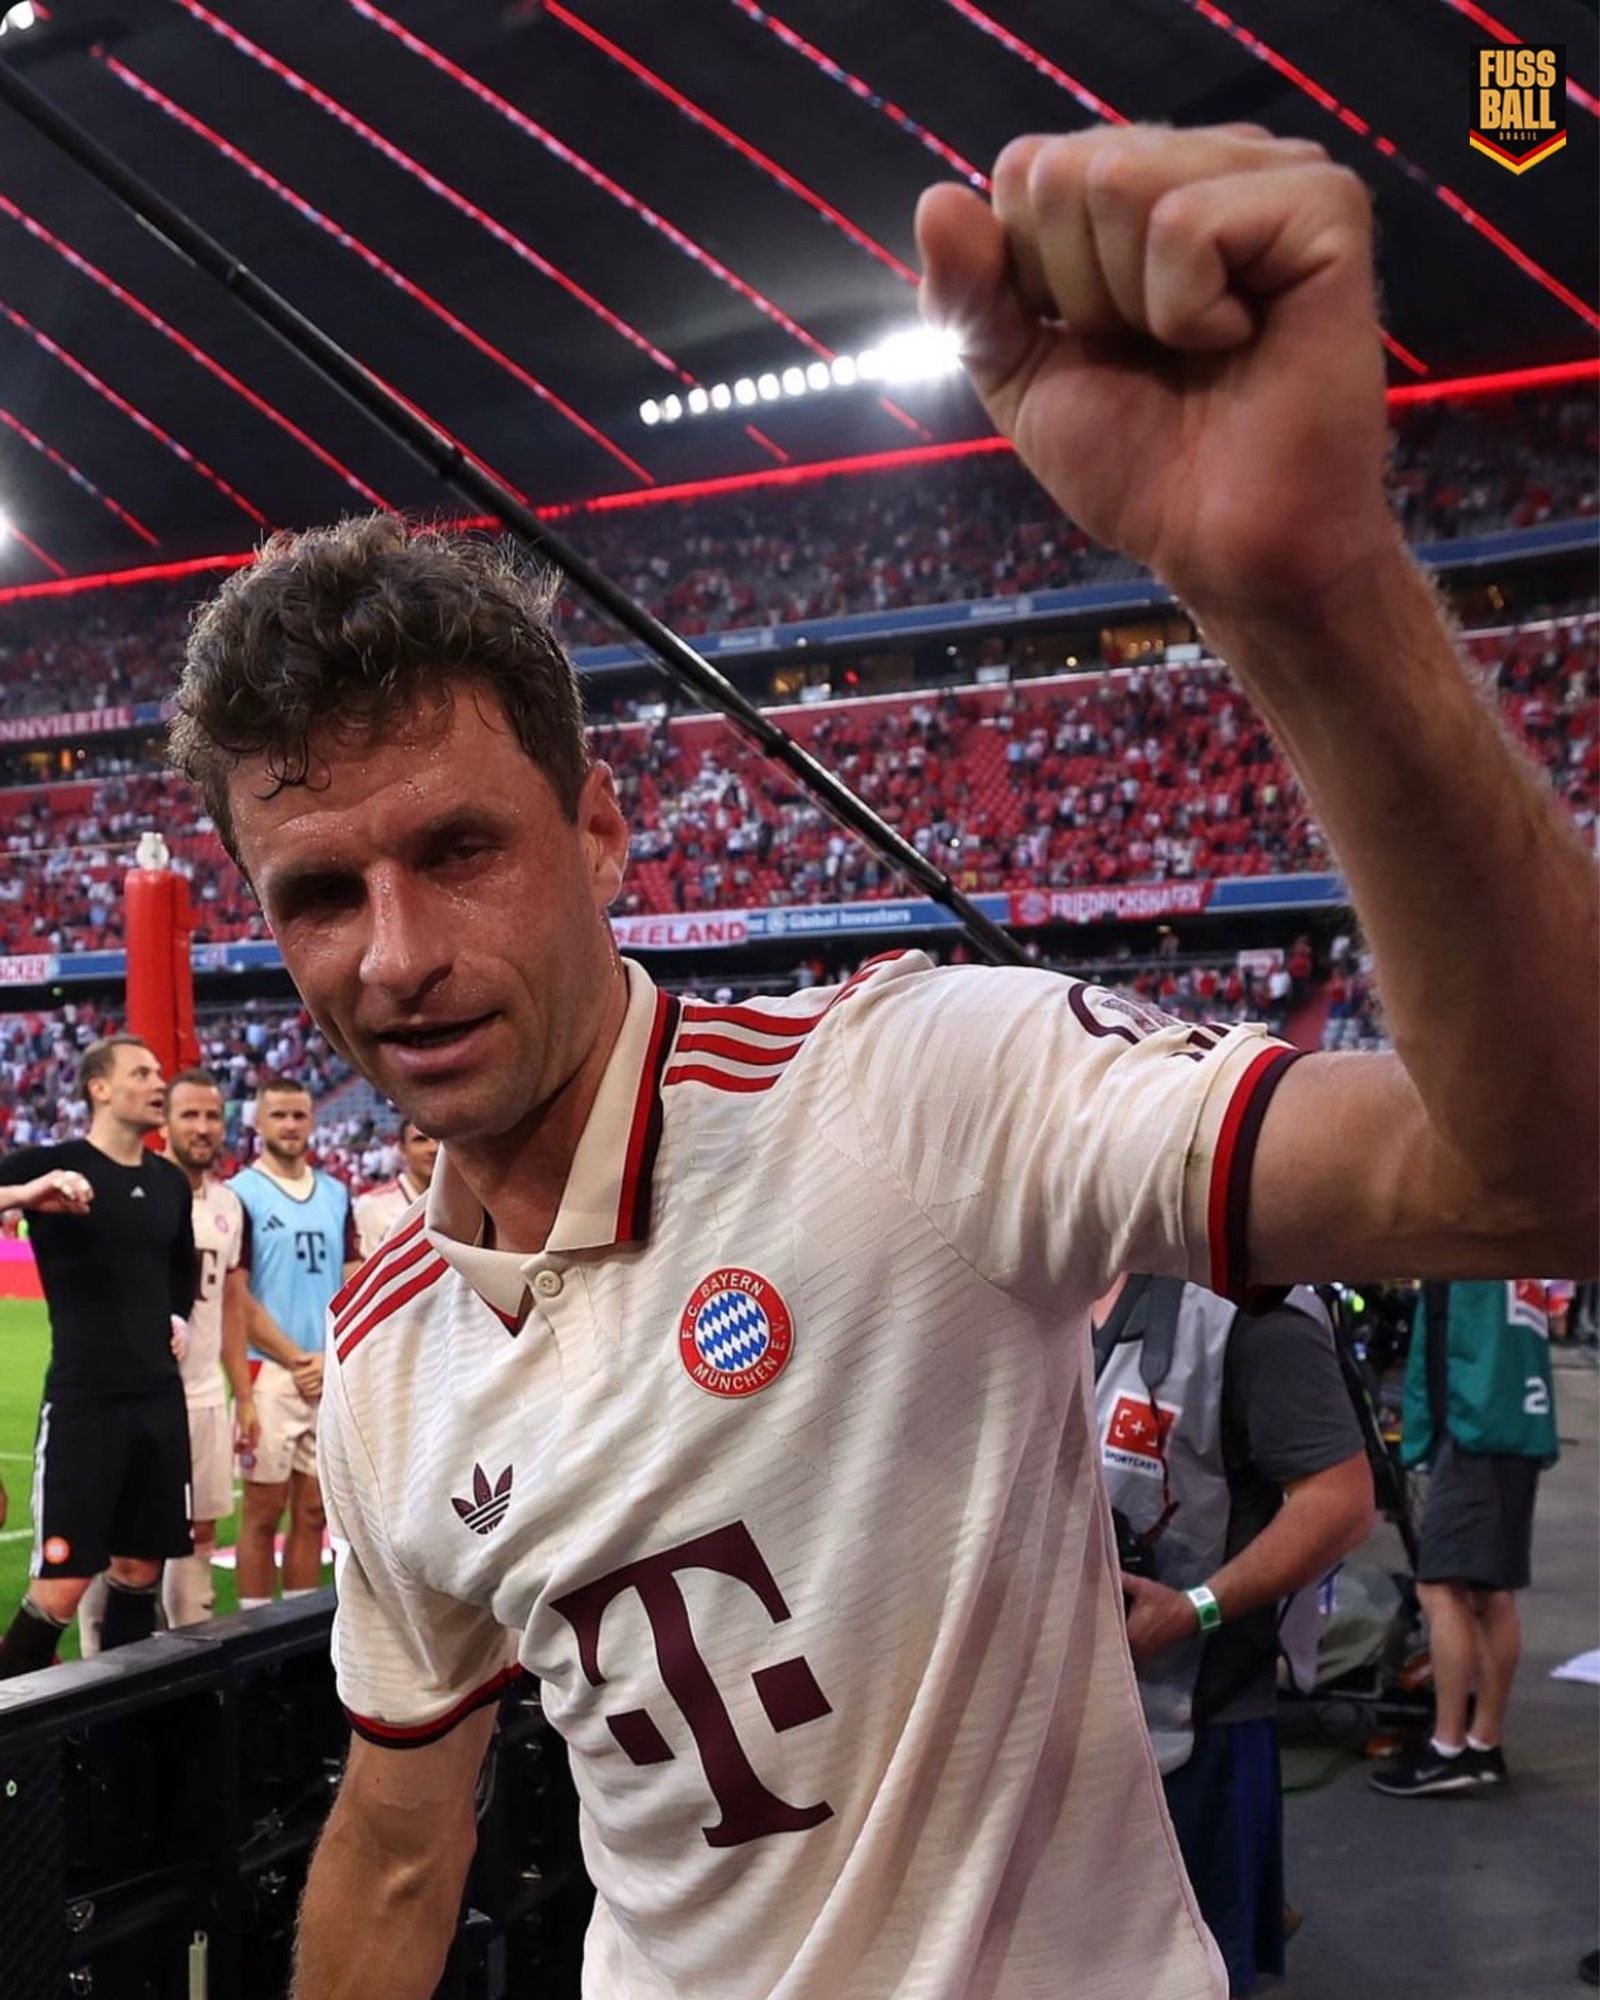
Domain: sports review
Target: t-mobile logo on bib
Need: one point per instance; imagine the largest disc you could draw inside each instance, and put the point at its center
(788, 1691)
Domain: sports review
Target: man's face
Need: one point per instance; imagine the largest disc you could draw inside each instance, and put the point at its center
(194, 1125)
(441, 917)
(133, 1093)
(283, 1122)
(418, 1151)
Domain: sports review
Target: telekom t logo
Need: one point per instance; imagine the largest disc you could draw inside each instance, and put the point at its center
(788, 1691)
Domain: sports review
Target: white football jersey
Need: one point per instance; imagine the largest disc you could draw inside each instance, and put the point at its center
(777, 1468)
(219, 1234)
(380, 1210)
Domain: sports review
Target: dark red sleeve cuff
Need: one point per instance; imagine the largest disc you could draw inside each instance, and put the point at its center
(391, 1737)
(1228, 1206)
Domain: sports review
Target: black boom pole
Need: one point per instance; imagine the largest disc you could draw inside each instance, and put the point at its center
(484, 490)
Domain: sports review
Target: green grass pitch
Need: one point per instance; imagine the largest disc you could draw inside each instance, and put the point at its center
(24, 1354)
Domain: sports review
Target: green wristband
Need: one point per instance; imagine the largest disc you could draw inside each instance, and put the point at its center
(1206, 1607)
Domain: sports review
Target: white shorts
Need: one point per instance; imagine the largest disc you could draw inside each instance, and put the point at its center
(288, 1440)
(211, 1462)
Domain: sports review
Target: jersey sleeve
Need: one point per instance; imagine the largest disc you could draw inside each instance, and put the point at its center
(408, 1662)
(184, 1268)
(1056, 1133)
(27, 1163)
(246, 1239)
(235, 1258)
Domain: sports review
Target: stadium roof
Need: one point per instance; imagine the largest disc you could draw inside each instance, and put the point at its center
(534, 216)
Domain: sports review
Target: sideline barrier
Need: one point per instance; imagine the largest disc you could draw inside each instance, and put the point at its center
(725, 930)
(159, 1805)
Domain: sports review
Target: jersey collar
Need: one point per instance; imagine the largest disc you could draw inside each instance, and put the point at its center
(607, 1199)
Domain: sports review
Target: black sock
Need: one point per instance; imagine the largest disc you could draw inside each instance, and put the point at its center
(130, 1614)
(30, 1643)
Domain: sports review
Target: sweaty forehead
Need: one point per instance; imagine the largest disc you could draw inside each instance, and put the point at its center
(375, 789)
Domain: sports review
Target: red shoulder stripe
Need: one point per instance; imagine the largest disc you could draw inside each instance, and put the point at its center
(752, 1017)
(735, 1051)
(391, 1269)
(390, 1303)
(719, 1079)
(362, 1283)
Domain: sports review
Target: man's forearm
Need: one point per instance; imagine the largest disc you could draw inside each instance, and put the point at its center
(1321, 1520)
(1476, 893)
(235, 1356)
(269, 1338)
(370, 1924)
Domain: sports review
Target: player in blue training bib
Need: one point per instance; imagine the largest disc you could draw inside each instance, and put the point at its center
(301, 1243)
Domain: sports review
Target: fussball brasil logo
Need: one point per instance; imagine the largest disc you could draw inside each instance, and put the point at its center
(1519, 104)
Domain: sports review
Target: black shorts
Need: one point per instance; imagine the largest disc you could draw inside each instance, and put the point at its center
(110, 1479)
(1477, 1527)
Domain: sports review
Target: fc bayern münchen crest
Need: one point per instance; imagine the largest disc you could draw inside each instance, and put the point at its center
(736, 1335)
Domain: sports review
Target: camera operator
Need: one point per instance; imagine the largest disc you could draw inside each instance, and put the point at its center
(1237, 1477)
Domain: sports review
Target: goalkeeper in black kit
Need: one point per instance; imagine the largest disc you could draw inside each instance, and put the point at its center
(110, 1223)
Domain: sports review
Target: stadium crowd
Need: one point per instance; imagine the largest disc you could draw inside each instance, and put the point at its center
(1152, 773)
(923, 534)
(982, 528)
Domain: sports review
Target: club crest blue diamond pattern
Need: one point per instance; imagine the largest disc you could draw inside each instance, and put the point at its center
(732, 1332)
(735, 1335)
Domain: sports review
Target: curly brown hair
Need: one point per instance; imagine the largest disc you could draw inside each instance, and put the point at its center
(351, 626)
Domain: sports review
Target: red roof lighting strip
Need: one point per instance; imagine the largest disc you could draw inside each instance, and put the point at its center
(136, 416)
(38, 554)
(542, 136)
(1490, 26)
(762, 162)
(986, 24)
(79, 478)
(1513, 252)
(268, 180)
(1098, 106)
(347, 240)
(198, 355)
(1465, 388)
(396, 156)
(830, 67)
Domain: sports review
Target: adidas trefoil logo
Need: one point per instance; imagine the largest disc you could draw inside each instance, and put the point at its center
(488, 1506)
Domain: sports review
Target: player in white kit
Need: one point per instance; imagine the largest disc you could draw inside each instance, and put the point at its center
(216, 1359)
(379, 1210)
(733, 1380)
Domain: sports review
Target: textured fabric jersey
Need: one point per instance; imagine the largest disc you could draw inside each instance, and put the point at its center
(112, 1278)
(297, 1249)
(380, 1211)
(220, 1241)
(777, 1467)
